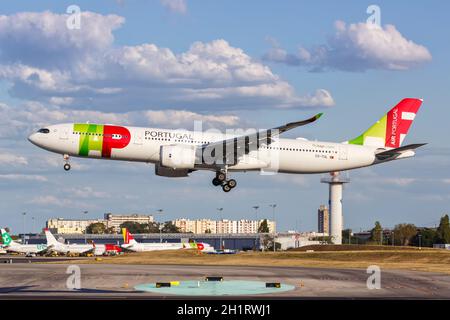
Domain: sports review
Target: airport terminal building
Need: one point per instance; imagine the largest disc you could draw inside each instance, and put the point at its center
(235, 241)
(230, 240)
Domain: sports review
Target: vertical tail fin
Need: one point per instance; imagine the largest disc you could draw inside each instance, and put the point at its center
(127, 236)
(6, 238)
(50, 237)
(392, 128)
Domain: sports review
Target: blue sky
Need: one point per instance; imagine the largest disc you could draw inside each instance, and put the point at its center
(50, 75)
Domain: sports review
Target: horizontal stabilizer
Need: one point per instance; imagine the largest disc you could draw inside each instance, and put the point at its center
(395, 153)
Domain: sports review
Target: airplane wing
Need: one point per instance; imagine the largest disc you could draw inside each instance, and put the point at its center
(397, 152)
(128, 248)
(89, 250)
(244, 144)
(50, 249)
(44, 250)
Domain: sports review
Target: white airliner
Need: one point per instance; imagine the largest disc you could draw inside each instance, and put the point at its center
(54, 245)
(177, 153)
(132, 245)
(12, 246)
(106, 249)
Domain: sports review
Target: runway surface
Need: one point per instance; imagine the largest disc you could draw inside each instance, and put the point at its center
(47, 281)
(23, 259)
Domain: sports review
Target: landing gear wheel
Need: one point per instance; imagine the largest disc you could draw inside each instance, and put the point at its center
(221, 176)
(216, 182)
(226, 188)
(232, 183)
(67, 166)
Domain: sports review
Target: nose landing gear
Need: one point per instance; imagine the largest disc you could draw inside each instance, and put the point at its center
(221, 180)
(67, 164)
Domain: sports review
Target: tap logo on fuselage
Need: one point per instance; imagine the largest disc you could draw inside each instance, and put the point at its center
(100, 139)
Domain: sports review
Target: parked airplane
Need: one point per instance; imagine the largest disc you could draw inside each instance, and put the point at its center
(106, 249)
(177, 153)
(12, 246)
(54, 245)
(132, 245)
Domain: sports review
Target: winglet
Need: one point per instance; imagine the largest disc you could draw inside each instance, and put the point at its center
(296, 124)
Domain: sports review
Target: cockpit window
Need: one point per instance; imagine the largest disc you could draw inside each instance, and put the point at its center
(44, 130)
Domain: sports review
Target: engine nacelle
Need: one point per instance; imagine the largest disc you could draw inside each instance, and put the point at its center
(169, 172)
(177, 156)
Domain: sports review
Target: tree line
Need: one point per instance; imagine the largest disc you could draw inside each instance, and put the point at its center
(152, 227)
(404, 234)
(134, 227)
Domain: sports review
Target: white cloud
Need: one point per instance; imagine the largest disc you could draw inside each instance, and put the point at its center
(217, 62)
(357, 197)
(17, 177)
(50, 200)
(7, 158)
(44, 61)
(52, 44)
(58, 201)
(357, 47)
(20, 121)
(433, 197)
(87, 192)
(177, 6)
(401, 182)
(186, 118)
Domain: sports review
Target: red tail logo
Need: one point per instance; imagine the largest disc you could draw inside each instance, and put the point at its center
(128, 236)
(399, 120)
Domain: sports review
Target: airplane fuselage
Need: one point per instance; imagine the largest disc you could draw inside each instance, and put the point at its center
(144, 145)
(143, 247)
(71, 248)
(26, 248)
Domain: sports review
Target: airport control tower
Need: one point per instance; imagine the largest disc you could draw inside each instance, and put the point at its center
(335, 182)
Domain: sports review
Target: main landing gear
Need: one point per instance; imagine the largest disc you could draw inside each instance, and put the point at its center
(221, 180)
(66, 164)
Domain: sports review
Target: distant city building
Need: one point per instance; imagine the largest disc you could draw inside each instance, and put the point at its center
(247, 226)
(289, 240)
(323, 217)
(60, 225)
(312, 234)
(185, 225)
(74, 226)
(227, 226)
(199, 226)
(115, 220)
(221, 226)
(205, 226)
(362, 236)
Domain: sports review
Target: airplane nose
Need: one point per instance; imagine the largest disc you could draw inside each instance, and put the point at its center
(32, 138)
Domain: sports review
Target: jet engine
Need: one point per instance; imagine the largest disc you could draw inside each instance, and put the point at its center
(177, 156)
(170, 172)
